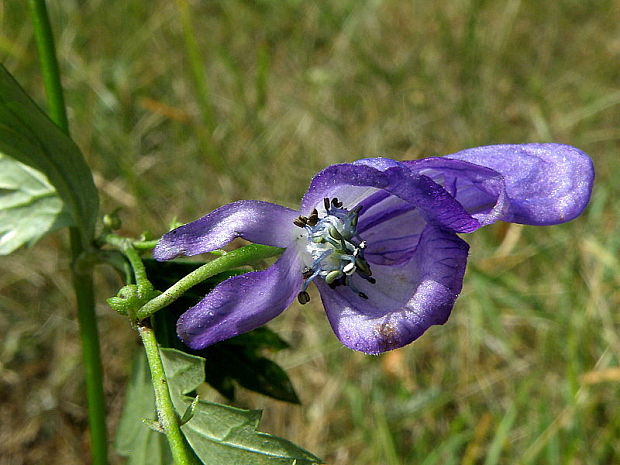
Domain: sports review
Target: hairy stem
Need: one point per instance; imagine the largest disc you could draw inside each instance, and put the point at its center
(82, 280)
(239, 257)
(128, 248)
(166, 415)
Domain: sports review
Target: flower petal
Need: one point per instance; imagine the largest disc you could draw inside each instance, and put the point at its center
(545, 183)
(480, 190)
(391, 234)
(242, 303)
(361, 182)
(260, 222)
(406, 299)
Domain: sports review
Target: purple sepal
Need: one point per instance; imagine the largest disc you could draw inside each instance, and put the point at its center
(242, 303)
(480, 190)
(352, 184)
(545, 183)
(406, 299)
(260, 222)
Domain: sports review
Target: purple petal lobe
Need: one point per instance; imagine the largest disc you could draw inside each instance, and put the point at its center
(545, 183)
(391, 234)
(480, 190)
(242, 303)
(405, 300)
(260, 222)
(361, 183)
(378, 163)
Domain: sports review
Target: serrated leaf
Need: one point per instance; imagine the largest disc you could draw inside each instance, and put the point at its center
(230, 360)
(29, 206)
(134, 439)
(221, 434)
(30, 137)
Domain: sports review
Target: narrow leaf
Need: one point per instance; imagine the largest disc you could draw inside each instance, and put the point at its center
(29, 206)
(30, 137)
(222, 434)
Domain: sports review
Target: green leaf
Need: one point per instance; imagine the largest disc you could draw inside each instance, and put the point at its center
(222, 434)
(134, 439)
(30, 137)
(230, 361)
(260, 338)
(29, 206)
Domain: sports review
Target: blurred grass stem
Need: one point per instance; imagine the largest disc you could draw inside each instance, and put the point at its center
(199, 79)
(82, 280)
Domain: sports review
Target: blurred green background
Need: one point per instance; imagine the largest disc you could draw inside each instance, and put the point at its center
(182, 106)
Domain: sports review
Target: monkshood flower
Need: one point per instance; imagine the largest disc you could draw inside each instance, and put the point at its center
(379, 240)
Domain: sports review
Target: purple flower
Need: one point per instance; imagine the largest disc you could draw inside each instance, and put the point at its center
(379, 240)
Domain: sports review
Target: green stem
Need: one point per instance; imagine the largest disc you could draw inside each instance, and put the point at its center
(166, 415)
(127, 247)
(82, 281)
(239, 257)
(91, 355)
(145, 245)
(49, 65)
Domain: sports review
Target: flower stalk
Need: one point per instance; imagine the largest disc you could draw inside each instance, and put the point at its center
(239, 257)
(166, 415)
(131, 300)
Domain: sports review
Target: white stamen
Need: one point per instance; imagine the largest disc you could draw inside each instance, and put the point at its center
(349, 269)
(330, 248)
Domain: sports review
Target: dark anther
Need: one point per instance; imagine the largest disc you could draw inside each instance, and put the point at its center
(313, 219)
(336, 203)
(362, 295)
(371, 280)
(338, 282)
(303, 297)
(301, 221)
(306, 272)
(326, 203)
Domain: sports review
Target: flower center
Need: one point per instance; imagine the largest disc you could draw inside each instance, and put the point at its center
(333, 248)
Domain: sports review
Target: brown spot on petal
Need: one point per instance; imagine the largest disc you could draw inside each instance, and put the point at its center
(387, 333)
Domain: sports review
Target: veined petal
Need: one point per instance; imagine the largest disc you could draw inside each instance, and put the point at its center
(260, 222)
(392, 234)
(545, 183)
(242, 303)
(480, 190)
(355, 184)
(405, 300)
